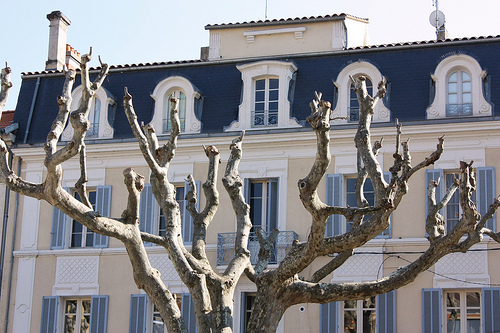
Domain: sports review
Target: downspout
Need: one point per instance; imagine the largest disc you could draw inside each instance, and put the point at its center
(9, 289)
(4, 226)
(32, 108)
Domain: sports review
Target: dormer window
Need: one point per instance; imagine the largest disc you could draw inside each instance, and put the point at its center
(167, 126)
(459, 92)
(102, 109)
(353, 113)
(459, 95)
(264, 102)
(190, 102)
(347, 108)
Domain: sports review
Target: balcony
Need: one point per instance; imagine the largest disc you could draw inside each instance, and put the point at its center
(225, 247)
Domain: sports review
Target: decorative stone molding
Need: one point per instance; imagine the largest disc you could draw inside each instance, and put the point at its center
(160, 95)
(361, 267)
(343, 84)
(258, 70)
(250, 34)
(76, 276)
(480, 107)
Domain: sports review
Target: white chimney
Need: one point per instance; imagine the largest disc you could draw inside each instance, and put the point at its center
(57, 40)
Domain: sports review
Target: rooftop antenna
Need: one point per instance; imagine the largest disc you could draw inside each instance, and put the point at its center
(266, 12)
(437, 20)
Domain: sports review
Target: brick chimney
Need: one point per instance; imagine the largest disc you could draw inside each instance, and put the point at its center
(57, 40)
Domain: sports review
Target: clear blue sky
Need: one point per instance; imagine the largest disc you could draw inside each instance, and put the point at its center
(126, 32)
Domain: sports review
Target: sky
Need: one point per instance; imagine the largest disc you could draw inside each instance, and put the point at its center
(128, 32)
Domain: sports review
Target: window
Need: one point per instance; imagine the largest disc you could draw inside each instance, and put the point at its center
(69, 233)
(152, 219)
(373, 314)
(264, 102)
(347, 105)
(190, 105)
(459, 95)
(465, 310)
(167, 126)
(336, 184)
(247, 300)
(76, 315)
(94, 118)
(80, 235)
(459, 89)
(353, 113)
(141, 308)
(262, 196)
(483, 196)
(101, 115)
(79, 315)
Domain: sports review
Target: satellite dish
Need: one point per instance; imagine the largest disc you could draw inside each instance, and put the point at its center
(436, 19)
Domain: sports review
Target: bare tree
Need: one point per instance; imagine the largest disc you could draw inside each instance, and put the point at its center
(277, 289)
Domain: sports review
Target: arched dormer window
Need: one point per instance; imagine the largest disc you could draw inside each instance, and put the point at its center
(190, 97)
(347, 101)
(458, 81)
(264, 103)
(100, 109)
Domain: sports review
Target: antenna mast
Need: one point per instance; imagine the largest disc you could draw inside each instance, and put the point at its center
(266, 12)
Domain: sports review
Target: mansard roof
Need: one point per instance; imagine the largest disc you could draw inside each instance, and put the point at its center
(407, 67)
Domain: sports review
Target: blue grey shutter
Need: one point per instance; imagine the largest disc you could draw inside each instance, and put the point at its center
(99, 314)
(434, 174)
(246, 190)
(103, 207)
(187, 312)
(187, 223)
(49, 314)
(58, 231)
(138, 313)
(328, 320)
(146, 211)
(431, 310)
(272, 204)
(486, 192)
(334, 186)
(491, 309)
(386, 312)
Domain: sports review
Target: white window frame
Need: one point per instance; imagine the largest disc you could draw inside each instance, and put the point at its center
(259, 70)
(106, 131)
(462, 62)
(359, 313)
(160, 95)
(462, 307)
(78, 313)
(343, 84)
(85, 230)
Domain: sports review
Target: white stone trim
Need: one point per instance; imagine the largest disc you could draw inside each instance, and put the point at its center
(160, 94)
(480, 107)
(31, 215)
(24, 294)
(343, 83)
(361, 267)
(76, 275)
(250, 34)
(106, 131)
(258, 70)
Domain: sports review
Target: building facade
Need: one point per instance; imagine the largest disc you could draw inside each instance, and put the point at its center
(260, 77)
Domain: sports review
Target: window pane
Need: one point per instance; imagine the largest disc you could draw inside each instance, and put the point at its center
(273, 106)
(453, 77)
(452, 98)
(473, 321)
(452, 87)
(260, 106)
(85, 324)
(76, 234)
(71, 306)
(273, 95)
(473, 299)
(467, 86)
(466, 98)
(274, 83)
(465, 76)
(69, 323)
(350, 322)
(260, 96)
(369, 321)
(260, 84)
(453, 321)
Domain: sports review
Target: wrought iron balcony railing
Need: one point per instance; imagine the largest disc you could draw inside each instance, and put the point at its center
(225, 247)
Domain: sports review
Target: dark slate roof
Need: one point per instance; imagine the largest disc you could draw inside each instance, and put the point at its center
(297, 20)
(406, 66)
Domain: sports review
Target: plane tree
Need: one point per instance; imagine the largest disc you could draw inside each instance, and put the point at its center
(279, 288)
